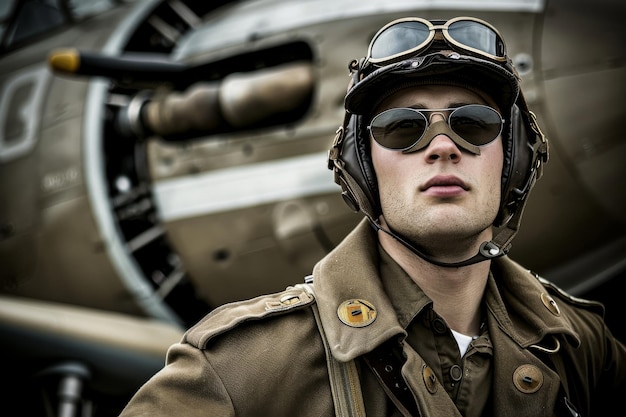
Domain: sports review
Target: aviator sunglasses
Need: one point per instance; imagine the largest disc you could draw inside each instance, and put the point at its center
(409, 36)
(401, 128)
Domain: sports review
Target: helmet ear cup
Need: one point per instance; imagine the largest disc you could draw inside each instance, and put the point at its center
(358, 179)
(517, 172)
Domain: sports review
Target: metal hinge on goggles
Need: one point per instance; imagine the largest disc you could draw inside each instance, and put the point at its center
(410, 36)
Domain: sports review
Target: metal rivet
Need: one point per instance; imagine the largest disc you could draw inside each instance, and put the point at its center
(289, 299)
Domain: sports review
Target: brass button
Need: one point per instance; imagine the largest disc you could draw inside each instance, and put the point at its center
(550, 304)
(356, 313)
(528, 378)
(430, 380)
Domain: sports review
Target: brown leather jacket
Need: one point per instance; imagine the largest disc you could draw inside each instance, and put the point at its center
(265, 356)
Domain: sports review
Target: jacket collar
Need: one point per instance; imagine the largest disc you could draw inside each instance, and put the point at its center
(523, 308)
(350, 272)
(516, 299)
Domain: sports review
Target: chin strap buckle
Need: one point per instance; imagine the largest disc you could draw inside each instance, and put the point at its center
(491, 250)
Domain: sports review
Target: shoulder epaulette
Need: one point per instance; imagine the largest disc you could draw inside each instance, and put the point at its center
(594, 306)
(229, 316)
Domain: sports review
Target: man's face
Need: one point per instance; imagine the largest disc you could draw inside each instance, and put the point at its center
(439, 197)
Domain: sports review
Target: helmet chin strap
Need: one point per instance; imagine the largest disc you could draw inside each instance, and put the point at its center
(487, 251)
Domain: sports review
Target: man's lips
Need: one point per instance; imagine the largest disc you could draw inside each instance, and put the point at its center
(444, 184)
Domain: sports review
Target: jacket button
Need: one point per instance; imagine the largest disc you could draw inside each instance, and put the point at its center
(430, 380)
(356, 313)
(528, 378)
(456, 373)
(550, 304)
(439, 325)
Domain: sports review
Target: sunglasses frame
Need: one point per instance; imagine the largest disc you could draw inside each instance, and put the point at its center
(431, 36)
(452, 110)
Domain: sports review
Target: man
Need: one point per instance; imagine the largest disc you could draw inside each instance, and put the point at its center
(423, 313)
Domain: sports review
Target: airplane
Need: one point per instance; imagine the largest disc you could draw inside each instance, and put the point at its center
(159, 158)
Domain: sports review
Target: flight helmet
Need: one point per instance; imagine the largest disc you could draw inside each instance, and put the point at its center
(466, 52)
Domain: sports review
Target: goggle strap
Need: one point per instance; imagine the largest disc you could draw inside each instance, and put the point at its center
(335, 150)
(541, 148)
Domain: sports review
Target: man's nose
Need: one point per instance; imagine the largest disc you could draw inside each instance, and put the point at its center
(442, 148)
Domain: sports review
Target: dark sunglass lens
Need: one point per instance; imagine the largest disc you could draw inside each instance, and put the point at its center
(477, 36)
(398, 128)
(399, 38)
(476, 124)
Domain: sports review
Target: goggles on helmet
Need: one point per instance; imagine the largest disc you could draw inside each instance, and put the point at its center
(409, 36)
(401, 128)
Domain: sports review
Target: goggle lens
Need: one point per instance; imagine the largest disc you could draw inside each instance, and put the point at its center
(401, 128)
(399, 38)
(410, 36)
(477, 36)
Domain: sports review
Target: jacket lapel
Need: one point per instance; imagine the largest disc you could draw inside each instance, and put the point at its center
(524, 320)
(523, 385)
(350, 273)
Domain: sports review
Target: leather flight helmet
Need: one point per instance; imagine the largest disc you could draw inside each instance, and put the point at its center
(525, 147)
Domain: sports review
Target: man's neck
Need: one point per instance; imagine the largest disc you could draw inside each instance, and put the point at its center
(456, 292)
